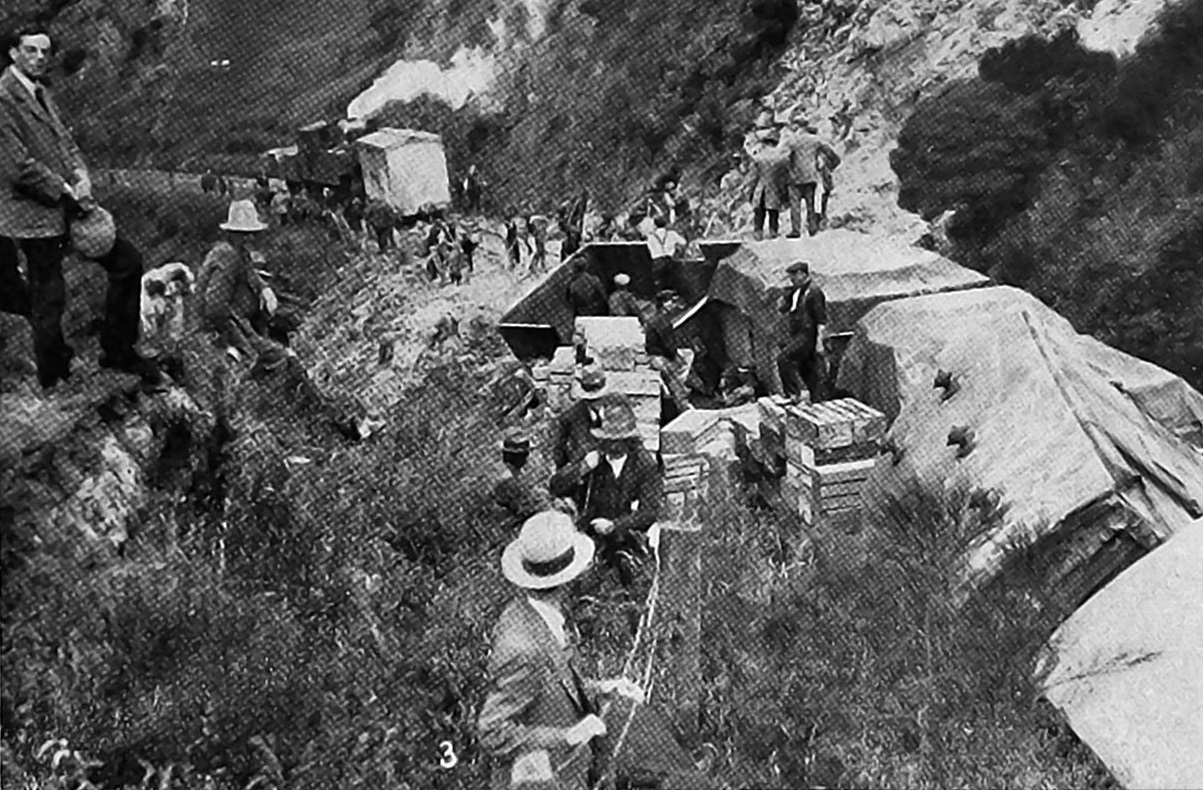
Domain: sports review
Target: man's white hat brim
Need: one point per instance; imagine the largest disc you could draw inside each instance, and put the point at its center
(513, 570)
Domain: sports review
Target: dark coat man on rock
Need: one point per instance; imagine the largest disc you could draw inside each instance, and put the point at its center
(44, 184)
(805, 149)
(768, 176)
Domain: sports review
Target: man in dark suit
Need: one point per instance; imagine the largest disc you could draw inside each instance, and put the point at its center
(574, 427)
(806, 151)
(804, 354)
(619, 490)
(768, 176)
(43, 183)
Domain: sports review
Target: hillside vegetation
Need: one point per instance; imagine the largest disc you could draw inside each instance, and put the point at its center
(1078, 177)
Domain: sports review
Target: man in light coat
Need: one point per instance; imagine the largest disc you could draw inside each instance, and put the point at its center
(768, 176)
(44, 182)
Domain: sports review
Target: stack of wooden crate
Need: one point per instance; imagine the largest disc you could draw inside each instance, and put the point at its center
(830, 448)
(614, 343)
(685, 478)
(642, 388)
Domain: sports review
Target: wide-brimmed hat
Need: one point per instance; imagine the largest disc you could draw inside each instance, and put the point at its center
(243, 217)
(617, 422)
(592, 385)
(548, 552)
(94, 233)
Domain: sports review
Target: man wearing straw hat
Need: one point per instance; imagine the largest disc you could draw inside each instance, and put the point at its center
(618, 489)
(540, 721)
(46, 205)
(232, 298)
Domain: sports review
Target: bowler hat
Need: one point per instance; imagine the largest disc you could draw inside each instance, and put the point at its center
(592, 385)
(94, 233)
(243, 217)
(798, 266)
(548, 552)
(617, 422)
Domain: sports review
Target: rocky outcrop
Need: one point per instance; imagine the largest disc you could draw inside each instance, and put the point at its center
(859, 79)
(77, 468)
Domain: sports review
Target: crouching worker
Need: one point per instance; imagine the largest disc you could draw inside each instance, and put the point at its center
(540, 721)
(618, 490)
(164, 291)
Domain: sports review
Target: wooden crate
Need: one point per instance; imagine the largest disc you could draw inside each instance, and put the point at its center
(827, 488)
(613, 341)
(690, 431)
(634, 382)
(832, 432)
(682, 506)
(684, 472)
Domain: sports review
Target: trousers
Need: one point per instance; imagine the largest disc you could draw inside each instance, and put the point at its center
(759, 215)
(797, 194)
(45, 298)
(798, 364)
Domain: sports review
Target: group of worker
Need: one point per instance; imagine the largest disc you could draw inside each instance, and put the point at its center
(787, 166)
(541, 720)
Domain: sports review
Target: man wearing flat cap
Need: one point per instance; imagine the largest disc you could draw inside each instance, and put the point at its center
(804, 352)
(512, 491)
(540, 722)
(618, 489)
(46, 206)
(622, 301)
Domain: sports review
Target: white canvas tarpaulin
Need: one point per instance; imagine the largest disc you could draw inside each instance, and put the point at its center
(1061, 421)
(1127, 668)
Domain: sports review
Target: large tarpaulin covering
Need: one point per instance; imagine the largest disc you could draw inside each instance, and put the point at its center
(1061, 420)
(1127, 668)
(855, 270)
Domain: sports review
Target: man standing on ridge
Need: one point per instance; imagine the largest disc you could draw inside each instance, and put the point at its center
(44, 183)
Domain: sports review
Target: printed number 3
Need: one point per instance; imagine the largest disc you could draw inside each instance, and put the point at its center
(449, 758)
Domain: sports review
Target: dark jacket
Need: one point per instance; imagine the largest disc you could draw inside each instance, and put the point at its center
(227, 286)
(516, 498)
(573, 436)
(586, 294)
(37, 158)
(661, 337)
(623, 303)
(804, 320)
(602, 496)
(535, 692)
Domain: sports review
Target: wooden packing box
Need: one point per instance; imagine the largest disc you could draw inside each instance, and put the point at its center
(564, 360)
(832, 425)
(772, 413)
(634, 382)
(690, 431)
(829, 487)
(607, 332)
(616, 358)
(802, 454)
(682, 506)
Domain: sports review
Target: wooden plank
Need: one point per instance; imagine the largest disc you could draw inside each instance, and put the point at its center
(847, 470)
(679, 628)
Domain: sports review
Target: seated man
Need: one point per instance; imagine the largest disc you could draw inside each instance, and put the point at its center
(574, 426)
(740, 385)
(512, 492)
(619, 490)
(232, 299)
(622, 302)
(661, 345)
